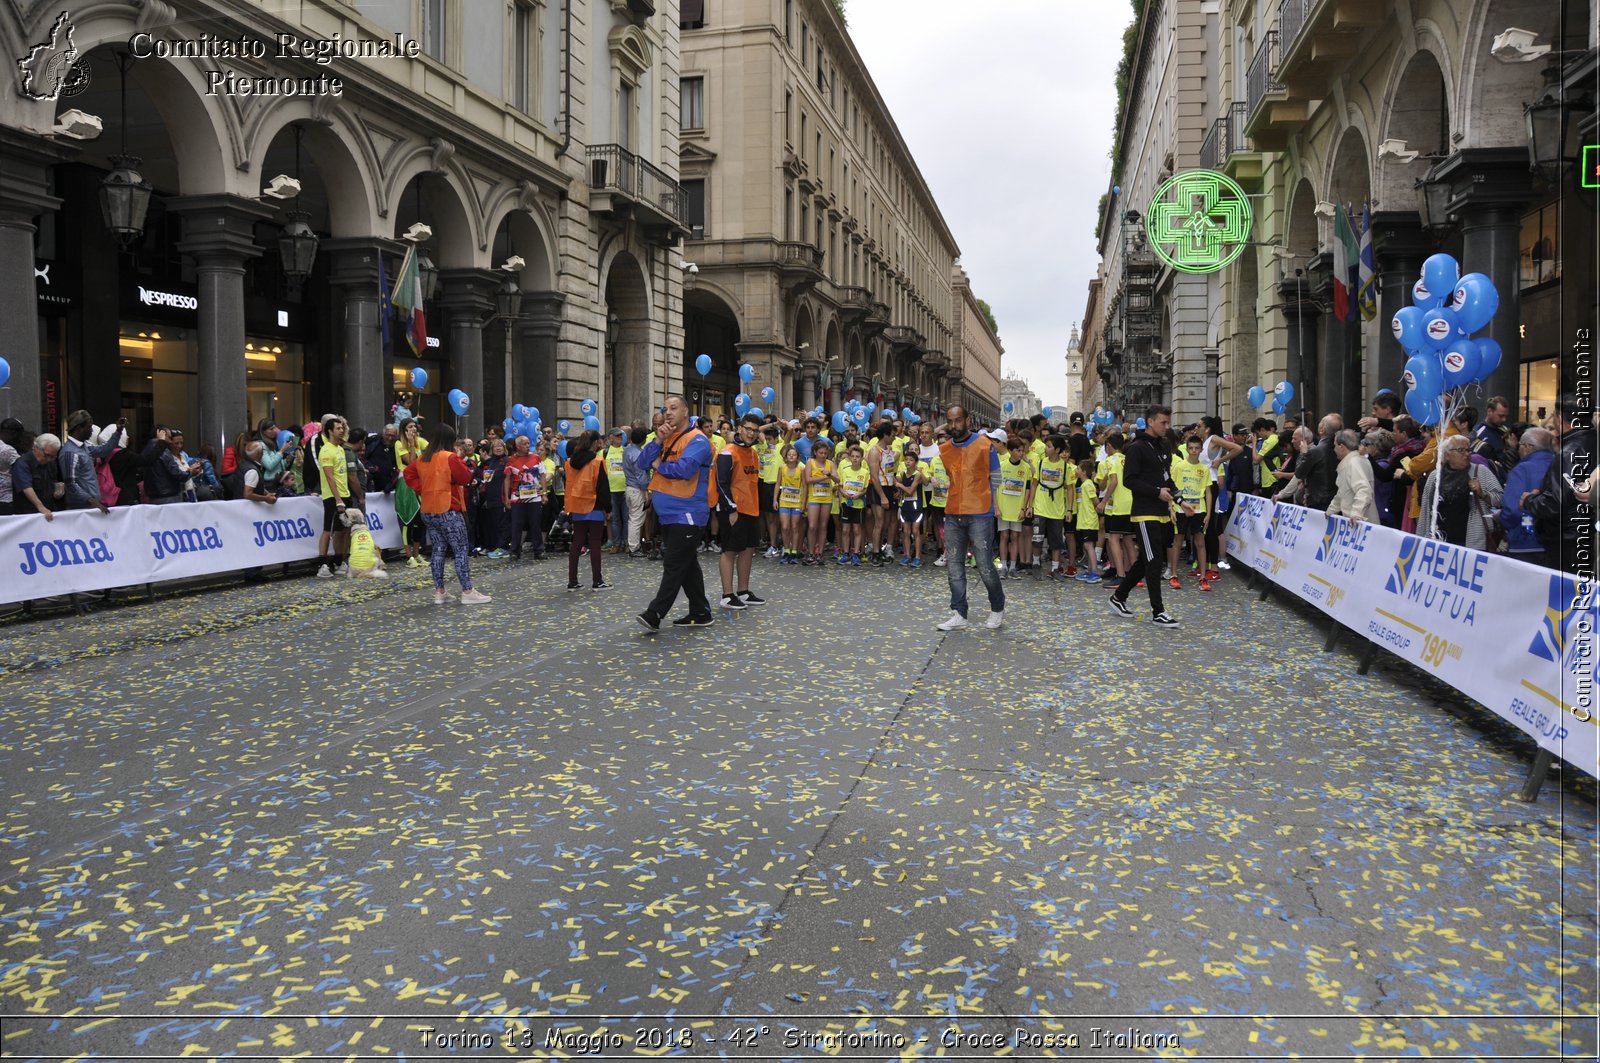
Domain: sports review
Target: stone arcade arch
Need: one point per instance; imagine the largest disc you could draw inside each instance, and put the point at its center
(711, 327)
(626, 386)
(520, 355)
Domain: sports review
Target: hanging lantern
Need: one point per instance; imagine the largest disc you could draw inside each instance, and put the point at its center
(297, 246)
(508, 300)
(429, 273)
(124, 199)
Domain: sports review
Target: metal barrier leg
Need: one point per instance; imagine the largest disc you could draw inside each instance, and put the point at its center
(1536, 775)
(1266, 590)
(1333, 636)
(1367, 658)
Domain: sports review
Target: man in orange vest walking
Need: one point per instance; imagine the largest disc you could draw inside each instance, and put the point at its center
(735, 495)
(680, 456)
(973, 466)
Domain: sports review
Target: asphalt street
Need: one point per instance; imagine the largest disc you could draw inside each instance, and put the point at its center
(331, 820)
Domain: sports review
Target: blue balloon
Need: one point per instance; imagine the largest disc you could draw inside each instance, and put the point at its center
(702, 364)
(1440, 328)
(1439, 275)
(510, 427)
(1425, 408)
(1284, 391)
(419, 377)
(861, 417)
(1460, 363)
(564, 427)
(529, 429)
(767, 395)
(915, 419)
(1489, 354)
(1423, 375)
(747, 372)
(758, 411)
(1008, 406)
(519, 412)
(1139, 424)
(1280, 407)
(459, 402)
(561, 450)
(533, 414)
(1256, 396)
(1407, 326)
(1474, 299)
(1046, 411)
(908, 413)
(588, 406)
(839, 423)
(741, 402)
(1425, 299)
(818, 412)
(872, 408)
(591, 423)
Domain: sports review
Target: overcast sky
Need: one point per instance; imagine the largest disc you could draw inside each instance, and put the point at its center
(1007, 106)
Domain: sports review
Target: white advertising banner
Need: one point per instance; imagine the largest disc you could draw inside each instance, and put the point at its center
(83, 550)
(1518, 638)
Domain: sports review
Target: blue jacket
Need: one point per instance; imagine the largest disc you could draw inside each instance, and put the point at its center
(694, 463)
(1526, 475)
(635, 474)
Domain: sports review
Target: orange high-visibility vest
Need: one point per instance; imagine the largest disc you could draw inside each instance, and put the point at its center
(746, 473)
(583, 486)
(670, 451)
(968, 468)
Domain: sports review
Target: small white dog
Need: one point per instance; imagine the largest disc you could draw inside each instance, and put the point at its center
(366, 560)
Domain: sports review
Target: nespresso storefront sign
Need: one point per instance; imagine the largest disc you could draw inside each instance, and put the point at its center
(176, 300)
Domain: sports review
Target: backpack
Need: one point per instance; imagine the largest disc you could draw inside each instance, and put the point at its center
(1555, 497)
(109, 491)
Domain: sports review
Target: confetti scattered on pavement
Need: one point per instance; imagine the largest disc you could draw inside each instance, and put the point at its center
(251, 822)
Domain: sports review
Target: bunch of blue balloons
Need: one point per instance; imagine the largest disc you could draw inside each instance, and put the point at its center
(1103, 417)
(524, 421)
(1436, 333)
(1282, 395)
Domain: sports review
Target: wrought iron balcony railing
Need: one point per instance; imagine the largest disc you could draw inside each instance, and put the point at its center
(614, 169)
(1261, 78)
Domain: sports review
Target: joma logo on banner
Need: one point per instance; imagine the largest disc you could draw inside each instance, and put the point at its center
(184, 541)
(283, 531)
(53, 553)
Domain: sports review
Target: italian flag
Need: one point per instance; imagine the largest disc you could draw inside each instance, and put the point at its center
(1346, 260)
(407, 296)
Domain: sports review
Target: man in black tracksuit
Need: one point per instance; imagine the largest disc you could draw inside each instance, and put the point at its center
(1147, 472)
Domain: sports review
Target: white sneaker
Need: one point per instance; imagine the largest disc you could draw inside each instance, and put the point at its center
(955, 623)
(442, 598)
(475, 597)
(324, 572)
(995, 620)
(888, 551)
(772, 551)
(940, 563)
(1223, 566)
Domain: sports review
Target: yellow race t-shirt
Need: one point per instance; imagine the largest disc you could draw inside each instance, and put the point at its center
(821, 490)
(1015, 476)
(853, 483)
(1088, 516)
(1121, 503)
(1056, 482)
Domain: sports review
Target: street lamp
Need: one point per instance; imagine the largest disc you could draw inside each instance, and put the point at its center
(613, 329)
(1436, 194)
(1548, 124)
(508, 300)
(428, 273)
(297, 244)
(124, 194)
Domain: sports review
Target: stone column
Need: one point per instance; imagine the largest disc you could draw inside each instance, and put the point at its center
(1399, 245)
(807, 395)
(25, 161)
(354, 271)
(533, 358)
(467, 297)
(1490, 187)
(1300, 314)
(1325, 373)
(219, 234)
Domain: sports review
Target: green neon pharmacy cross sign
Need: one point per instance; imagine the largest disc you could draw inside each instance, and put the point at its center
(1199, 221)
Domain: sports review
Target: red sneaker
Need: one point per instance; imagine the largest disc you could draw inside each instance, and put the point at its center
(1072, 570)
(1175, 583)
(1205, 584)
(1210, 575)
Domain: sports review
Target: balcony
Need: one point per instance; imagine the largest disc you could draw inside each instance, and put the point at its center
(855, 303)
(904, 338)
(1227, 150)
(799, 266)
(1319, 37)
(935, 359)
(1271, 115)
(622, 186)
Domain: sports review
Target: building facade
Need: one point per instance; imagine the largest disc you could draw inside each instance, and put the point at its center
(1017, 391)
(975, 376)
(818, 253)
(1092, 384)
(1417, 115)
(528, 150)
(1156, 344)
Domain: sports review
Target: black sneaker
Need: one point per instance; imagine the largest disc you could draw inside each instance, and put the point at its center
(694, 621)
(603, 585)
(651, 621)
(751, 598)
(1119, 606)
(1164, 620)
(732, 601)
(573, 587)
